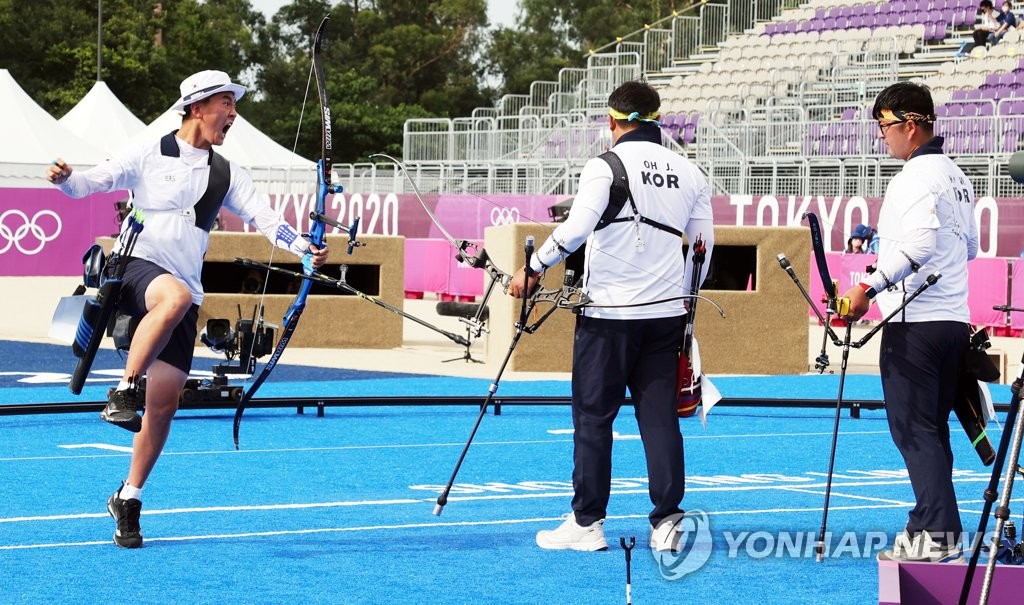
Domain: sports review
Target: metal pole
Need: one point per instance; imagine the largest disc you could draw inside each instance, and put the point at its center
(99, 40)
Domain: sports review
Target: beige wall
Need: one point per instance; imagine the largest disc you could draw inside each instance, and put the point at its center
(328, 321)
(764, 331)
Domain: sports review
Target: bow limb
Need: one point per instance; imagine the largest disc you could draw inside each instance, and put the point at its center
(568, 296)
(416, 190)
(481, 261)
(315, 235)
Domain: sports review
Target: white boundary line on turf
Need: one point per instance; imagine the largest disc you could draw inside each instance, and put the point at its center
(851, 496)
(212, 509)
(326, 530)
(400, 501)
(127, 450)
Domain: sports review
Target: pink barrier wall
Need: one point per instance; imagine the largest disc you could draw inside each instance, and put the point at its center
(1017, 295)
(62, 228)
(986, 284)
(44, 232)
(430, 266)
(986, 287)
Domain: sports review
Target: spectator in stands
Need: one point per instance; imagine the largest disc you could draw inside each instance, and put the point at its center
(862, 241)
(1007, 21)
(636, 275)
(927, 222)
(988, 25)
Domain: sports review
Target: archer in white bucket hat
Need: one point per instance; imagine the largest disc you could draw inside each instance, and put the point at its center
(205, 84)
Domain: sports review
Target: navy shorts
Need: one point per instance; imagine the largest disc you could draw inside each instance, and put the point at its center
(137, 276)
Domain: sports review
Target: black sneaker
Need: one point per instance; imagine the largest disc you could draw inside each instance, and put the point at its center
(126, 513)
(121, 409)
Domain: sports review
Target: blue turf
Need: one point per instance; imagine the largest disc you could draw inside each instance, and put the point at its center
(338, 509)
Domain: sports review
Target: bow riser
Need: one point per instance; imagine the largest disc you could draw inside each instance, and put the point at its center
(316, 233)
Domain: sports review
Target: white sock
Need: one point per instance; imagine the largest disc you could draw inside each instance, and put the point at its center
(124, 385)
(129, 492)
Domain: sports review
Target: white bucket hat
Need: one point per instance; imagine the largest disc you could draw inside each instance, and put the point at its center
(204, 84)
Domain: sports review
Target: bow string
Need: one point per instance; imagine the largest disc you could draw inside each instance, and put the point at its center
(317, 229)
(566, 297)
(569, 296)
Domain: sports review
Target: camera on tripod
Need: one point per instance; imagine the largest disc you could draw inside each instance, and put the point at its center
(248, 340)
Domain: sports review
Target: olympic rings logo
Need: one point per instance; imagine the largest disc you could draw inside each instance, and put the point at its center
(31, 229)
(504, 216)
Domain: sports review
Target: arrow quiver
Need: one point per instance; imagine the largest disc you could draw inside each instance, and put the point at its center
(687, 384)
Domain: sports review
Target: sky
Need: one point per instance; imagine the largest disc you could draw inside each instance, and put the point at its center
(499, 12)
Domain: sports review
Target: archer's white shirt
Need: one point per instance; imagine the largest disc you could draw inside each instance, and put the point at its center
(166, 189)
(927, 215)
(629, 264)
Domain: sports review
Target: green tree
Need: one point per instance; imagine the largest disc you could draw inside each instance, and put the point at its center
(384, 61)
(552, 34)
(148, 48)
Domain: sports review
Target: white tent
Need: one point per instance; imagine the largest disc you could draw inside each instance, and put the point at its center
(30, 139)
(102, 119)
(244, 144)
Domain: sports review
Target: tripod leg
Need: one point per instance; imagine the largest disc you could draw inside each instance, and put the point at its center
(1002, 512)
(991, 492)
(819, 547)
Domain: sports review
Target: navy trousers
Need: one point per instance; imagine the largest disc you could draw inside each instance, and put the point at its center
(919, 363)
(609, 356)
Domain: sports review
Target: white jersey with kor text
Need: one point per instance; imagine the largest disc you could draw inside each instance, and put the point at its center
(633, 263)
(166, 188)
(927, 219)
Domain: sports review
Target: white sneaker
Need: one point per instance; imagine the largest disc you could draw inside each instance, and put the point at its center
(921, 548)
(666, 535)
(572, 536)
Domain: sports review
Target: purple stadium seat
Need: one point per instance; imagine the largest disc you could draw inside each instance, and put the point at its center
(976, 143)
(1010, 140)
(846, 11)
(959, 143)
(959, 95)
(849, 113)
(992, 79)
(973, 94)
(985, 109)
(1007, 78)
(689, 133)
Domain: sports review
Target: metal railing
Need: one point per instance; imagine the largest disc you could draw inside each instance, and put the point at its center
(746, 144)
